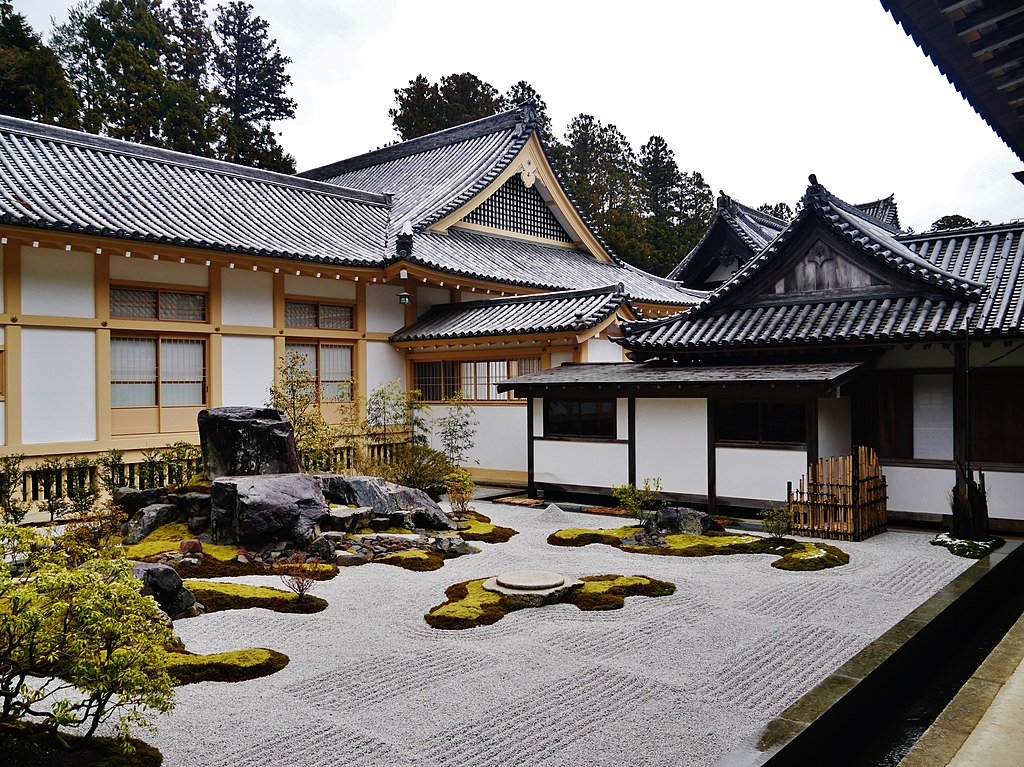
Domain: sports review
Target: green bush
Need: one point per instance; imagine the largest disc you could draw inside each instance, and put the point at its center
(419, 466)
(777, 521)
(12, 508)
(642, 503)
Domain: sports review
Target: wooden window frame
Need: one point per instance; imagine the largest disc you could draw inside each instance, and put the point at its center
(158, 382)
(318, 302)
(578, 435)
(760, 442)
(160, 290)
(472, 360)
(319, 380)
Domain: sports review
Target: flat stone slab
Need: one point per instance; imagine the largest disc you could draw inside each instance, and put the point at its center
(530, 580)
(531, 588)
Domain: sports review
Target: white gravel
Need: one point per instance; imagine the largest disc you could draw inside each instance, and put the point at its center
(666, 681)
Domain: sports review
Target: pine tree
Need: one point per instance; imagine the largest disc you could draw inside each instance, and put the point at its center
(251, 77)
(32, 82)
(418, 109)
(423, 107)
(129, 41)
(188, 103)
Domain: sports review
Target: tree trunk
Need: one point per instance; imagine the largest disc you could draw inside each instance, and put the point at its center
(970, 507)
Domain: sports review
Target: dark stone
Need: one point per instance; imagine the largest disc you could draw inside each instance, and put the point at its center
(452, 544)
(403, 506)
(149, 519)
(194, 504)
(347, 520)
(197, 525)
(191, 546)
(131, 500)
(680, 519)
(256, 510)
(322, 548)
(247, 441)
(163, 583)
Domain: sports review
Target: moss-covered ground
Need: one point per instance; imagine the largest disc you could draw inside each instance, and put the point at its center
(168, 537)
(793, 555)
(217, 597)
(469, 604)
(44, 750)
(234, 666)
(967, 549)
(416, 560)
(480, 528)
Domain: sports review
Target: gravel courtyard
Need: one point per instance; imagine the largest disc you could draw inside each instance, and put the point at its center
(665, 681)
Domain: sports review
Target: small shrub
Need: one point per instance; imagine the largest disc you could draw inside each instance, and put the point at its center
(112, 475)
(642, 503)
(777, 521)
(459, 486)
(49, 473)
(151, 470)
(181, 457)
(81, 487)
(415, 465)
(300, 576)
(12, 508)
(456, 430)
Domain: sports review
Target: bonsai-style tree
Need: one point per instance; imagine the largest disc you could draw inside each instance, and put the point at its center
(642, 503)
(460, 486)
(777, 521)
(300, 576)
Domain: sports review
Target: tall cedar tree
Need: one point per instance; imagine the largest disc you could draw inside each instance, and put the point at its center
(32, 82)
(522, 92)
(250, 73)
(424, 107)
(189, 102)
(83, 68)
(129, 39)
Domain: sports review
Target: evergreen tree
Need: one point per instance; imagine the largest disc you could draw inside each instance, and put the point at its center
(659, 180)
(84, 70)
(423, 107)
(189, 102)
(251, 76)
(954, 221)
(32, 82)
(129, 40)
(778, 210)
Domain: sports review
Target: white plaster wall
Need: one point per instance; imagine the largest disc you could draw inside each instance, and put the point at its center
(383, 364)
(593, 464)
(427, 297)
(500, 436)
(671, 443)
(834, 426)
(344, 290)
(1005, 491)
(757, 473)
(166, 272)
(58, 383)
(622, 418)
(919, 489)
(383, 312)
(247, 369)
(58, 283)
(603, 350)
(247, 298)
(559, 358)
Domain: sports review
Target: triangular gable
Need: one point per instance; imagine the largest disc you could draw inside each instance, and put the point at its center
(535, 172)
(831, 250)
(517, 209)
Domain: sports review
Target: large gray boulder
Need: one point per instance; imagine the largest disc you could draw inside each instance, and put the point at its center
(272, 507)
(131, 500)
(681, 519)
(163, 583)
(247, 441)
(403, 506)
(148, 519)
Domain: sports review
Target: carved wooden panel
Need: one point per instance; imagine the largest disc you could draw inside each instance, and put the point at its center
(822, 268)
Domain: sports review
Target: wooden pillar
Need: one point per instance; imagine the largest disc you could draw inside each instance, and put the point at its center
(360, 372)
(961, 407)
(631, 426)
(531, 486)
(712, 469)
(811, 436)
(103, 405)
(12, 343)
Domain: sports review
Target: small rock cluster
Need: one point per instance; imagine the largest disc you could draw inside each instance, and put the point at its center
(669, 521)
(359, 549)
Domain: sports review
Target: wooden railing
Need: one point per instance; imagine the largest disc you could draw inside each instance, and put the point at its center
(842, 497)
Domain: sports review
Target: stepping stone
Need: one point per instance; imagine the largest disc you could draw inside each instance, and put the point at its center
(531, 588)
(530, 580)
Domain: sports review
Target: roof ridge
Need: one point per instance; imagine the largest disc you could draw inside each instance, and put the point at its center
(45, 132)
(1006, 226)
(524, 115)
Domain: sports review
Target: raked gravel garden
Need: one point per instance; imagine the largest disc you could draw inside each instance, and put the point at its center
(673, 680)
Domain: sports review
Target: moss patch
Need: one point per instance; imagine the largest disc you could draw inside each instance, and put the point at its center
(43, 750)
(480, 528)
(965, 548)
(235, 666)
(213, 568)
(470, 605)
(794, 555)
(169, 537)
(236, 596)
(416, 560)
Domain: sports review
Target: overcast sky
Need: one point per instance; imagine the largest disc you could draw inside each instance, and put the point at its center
(754, 95)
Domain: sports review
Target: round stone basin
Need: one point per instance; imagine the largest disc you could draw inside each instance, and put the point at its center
(530, 580)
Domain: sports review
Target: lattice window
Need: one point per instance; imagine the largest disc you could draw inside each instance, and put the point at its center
(302, 314)
(477, 379)
(330, 365)
(151, 372)
(140, 303)
(518, 208)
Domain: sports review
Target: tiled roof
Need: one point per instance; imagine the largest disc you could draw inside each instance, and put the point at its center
(883, 210)
(430, 176)
(597, 374)
(566, 311)
(55, 178)
(974, 274)
(529, 264)
(754, 228)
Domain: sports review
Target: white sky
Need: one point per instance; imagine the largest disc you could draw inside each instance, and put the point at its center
(754, 95)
